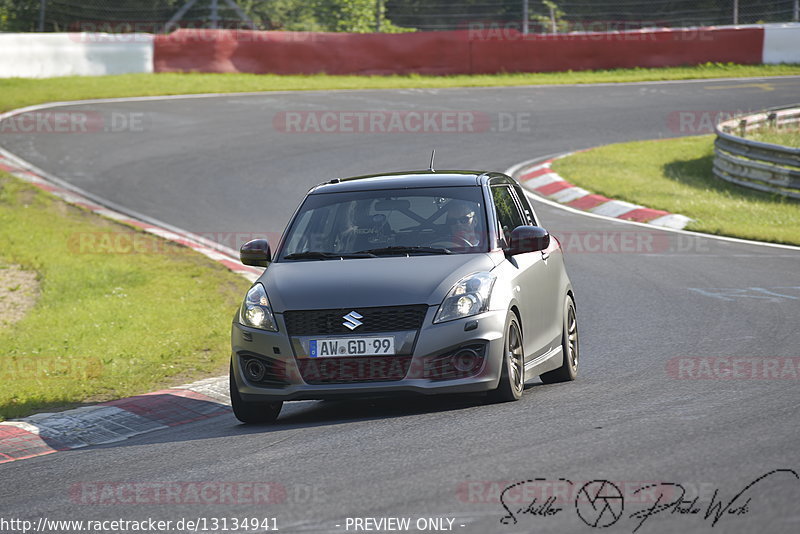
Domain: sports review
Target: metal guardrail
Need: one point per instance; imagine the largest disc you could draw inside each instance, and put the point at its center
(763, 166)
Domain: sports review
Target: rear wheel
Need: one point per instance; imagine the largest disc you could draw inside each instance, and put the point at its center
(252, 412)
(569, 347)
(512, 377)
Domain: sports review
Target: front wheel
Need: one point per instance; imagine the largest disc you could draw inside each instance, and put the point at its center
(512, 376)
(252, 412)
(569, 347)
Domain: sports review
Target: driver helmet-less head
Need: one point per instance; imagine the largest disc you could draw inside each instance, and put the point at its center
(463, 221)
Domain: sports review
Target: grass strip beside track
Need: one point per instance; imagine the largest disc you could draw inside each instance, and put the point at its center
(18, 92)
(675, 175)
(109, 322)
(783, 136)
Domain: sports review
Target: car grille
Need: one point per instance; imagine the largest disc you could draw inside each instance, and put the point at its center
(353, 370)
(385, 319)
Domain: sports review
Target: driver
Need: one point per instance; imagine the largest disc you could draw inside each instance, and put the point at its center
(463, 222)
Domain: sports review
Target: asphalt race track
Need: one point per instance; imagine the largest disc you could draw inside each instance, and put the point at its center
(639, 413)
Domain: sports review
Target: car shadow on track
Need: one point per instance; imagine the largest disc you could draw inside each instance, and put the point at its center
(330, 412)
(308, 414)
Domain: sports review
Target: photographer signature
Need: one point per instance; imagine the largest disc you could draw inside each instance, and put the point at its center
(600, 503)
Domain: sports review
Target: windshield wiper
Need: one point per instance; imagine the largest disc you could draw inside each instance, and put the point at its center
(317, 255)
(405, 250)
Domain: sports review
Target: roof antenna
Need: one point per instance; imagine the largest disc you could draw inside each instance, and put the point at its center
(433, 155)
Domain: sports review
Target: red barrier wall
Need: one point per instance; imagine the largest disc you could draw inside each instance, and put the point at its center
(308, 53)
(456, 52)
(660, 48)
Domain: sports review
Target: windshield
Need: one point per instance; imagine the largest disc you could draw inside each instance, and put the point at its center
(437, 220)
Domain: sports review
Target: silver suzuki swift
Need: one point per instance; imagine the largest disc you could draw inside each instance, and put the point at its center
(409, 283)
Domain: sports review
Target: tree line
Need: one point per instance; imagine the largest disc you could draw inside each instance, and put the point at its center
(380, 15)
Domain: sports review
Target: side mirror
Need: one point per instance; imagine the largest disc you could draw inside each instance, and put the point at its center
(528, 239)
(256, 253)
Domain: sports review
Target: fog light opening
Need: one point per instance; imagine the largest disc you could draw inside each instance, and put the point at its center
(466, 360)
(254, 370)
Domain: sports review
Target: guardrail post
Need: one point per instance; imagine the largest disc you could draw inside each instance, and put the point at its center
(525, 17)
(42, 9)
(772, 120)
(743, 128)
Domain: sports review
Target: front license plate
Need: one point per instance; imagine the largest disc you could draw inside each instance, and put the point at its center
(358, 346)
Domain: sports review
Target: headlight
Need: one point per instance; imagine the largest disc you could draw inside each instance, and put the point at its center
(469, 296)
(256, 311)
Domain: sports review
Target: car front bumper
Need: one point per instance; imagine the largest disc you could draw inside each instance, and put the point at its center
(426, 359)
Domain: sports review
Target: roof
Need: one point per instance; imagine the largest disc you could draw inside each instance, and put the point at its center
(401, 180)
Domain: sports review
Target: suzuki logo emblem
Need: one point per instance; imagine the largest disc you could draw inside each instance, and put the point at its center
(351, 320)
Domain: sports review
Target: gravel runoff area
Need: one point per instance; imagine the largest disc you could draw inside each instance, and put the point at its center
(19, 290)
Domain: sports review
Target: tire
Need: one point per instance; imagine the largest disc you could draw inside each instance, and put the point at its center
(252, 412)
(512, 376)
(570, 348)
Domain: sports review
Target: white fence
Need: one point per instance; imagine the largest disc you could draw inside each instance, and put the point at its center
(781, 43)
(45, 55)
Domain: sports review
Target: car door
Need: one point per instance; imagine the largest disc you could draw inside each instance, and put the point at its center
(553, 272)
(528, 273)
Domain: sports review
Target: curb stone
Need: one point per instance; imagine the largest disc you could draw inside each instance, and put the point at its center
(543, 181)
(113, 421)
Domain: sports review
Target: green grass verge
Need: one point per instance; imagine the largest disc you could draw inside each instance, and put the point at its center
(783, 137)
(18, 92)
(675, 175)
(107, 323)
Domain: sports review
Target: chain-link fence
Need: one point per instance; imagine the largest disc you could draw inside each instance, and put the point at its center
(535, 16)
(115, 16)
(588, 15)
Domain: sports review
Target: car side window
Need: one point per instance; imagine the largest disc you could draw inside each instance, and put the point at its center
(526, 206)
(508, 214)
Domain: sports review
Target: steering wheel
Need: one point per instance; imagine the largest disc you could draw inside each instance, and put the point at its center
(457, 240)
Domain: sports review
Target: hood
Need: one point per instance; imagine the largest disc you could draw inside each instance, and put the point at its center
(366, 282)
